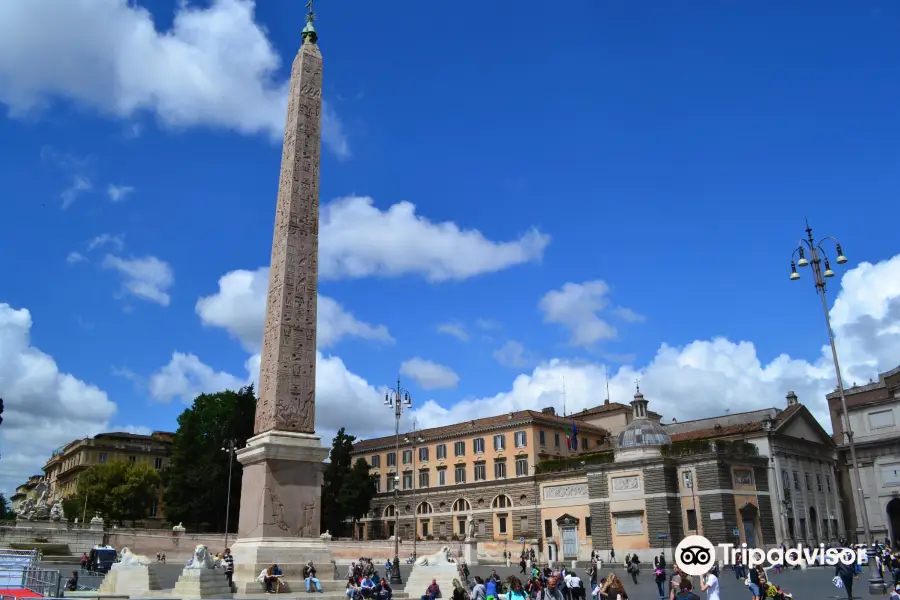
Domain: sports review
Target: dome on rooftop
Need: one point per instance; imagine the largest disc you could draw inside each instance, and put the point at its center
(642, 432)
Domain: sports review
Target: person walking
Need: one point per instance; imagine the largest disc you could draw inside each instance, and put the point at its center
(847, 574)
(228, 559)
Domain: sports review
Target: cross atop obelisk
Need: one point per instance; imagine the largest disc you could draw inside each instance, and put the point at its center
(287, 379)
(281, 485)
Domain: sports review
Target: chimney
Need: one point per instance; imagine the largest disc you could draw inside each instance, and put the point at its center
(791, 398)
(549, 411)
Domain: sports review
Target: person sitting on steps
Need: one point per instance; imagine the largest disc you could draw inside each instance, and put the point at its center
(309, 576)
(433, 591)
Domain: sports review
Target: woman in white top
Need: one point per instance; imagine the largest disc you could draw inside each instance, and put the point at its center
(709, 583)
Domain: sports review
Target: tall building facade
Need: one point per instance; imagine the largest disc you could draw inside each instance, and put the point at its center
(70, 461)
(874, 411)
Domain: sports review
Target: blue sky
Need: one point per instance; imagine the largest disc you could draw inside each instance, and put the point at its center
(510, 199)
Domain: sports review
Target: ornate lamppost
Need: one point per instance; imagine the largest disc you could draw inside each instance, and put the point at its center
(230, 446)
(398, 399)
(818, 259)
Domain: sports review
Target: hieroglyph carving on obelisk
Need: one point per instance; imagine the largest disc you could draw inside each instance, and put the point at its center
(287, 378)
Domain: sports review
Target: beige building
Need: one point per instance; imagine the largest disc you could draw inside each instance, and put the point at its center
(69, 461)
(23, 491)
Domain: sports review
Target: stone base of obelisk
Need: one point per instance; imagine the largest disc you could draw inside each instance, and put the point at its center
(281, 492)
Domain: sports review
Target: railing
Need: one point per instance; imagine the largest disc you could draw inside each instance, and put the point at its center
(13, 564)
(45, 582)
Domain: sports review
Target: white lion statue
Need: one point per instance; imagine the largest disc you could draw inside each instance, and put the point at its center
(202, 559)
(129, 558)
(441, 557)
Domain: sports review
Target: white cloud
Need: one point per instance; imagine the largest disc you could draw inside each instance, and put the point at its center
(359, 240)
(488, 324)
(429, 375)
(513, 354)
(79, 184)
(456, 330)
(185, 377)
(75, 257)
(116, 242)
(239, 307)
(44, 408)
(215, 67)
(147, 278)
(117, 193)
(575, 306)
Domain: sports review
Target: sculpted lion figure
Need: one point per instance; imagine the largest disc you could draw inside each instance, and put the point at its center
(202, 559)
(127, 557)
(441, 557)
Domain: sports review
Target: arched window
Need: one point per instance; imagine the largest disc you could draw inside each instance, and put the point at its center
(461, 505)
(390, 511)
(424, 509)
(501, 501)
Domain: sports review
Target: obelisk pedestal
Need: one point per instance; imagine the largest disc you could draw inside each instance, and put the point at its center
(281, 487)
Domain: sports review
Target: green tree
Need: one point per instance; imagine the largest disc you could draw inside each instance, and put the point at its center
(197, 477)
(5, 509)
(118, 490)
(348, 488)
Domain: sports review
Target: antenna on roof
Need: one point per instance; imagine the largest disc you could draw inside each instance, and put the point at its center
(606, 374)
(564, 395)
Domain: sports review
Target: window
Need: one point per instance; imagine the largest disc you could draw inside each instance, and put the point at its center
(585, 443)
(423, 479)
(424, 509)
(500, 442)
(501, 524)
(520, 439)
(407, 457)
(461, 526)
(828, 482)
(390, 511)
(378, 485)
(548, 529)
(461, 505)
(103, 457)
(500, 469)
(480, 472)
(407, 481)
(556, 439)
(501, 501)
(132, 459)
(688, 478)
(808, 484)
(819, 482)
(881, 419)
(522, 466)
(459, 449)
(441, 451)
(523, 523)
(542, 437)
(785, 480)
(423, 454)
(691, 519)
(391, 483)
(376, 461)
(460, 474)
(442, 476)
(154, 509)
(392, 459)
(157, 463)
(478, 445)
(796, 481)
(424, 528)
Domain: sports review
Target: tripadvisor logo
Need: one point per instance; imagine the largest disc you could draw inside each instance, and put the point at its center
(695, 555)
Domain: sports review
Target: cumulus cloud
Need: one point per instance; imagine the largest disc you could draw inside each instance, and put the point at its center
(44, 408)
(214, 67)
(576, 306)
(690, 381)
(239, 307)
(513, 354)
(147, 278)
(456, 330)
(429, 375)
(360, 240)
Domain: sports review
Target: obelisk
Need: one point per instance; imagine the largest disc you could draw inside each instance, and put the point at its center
(283, 463)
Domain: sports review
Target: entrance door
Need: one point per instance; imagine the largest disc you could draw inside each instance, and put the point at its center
(750, 533)
(893, 514)
(569, 543)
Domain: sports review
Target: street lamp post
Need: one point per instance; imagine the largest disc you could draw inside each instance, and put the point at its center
(398, 399)
(414, 439)
(537, 513)
(818, 258)
(230, 447)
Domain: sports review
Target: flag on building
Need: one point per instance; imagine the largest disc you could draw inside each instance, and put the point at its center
(574, 436)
